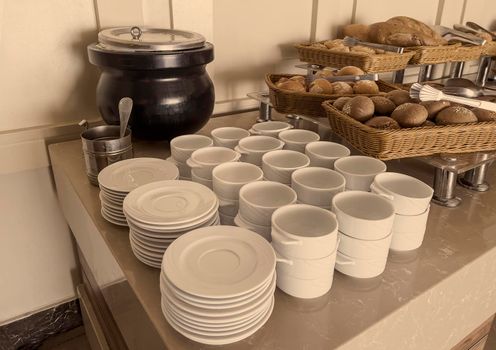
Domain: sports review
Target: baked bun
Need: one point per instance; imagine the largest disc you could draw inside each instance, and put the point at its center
(383, 106)
(409, 115)
(360, 108)
(364, 49)
(282, 80)
(365, 87)
(299, 78)
(483, 115)
(350, 70)
(434, 107)
(321, 86)
(382, 123)
(428, 123)
(455, 115)
(359, 31)
(342, 88)
(340, 102)
(399, 97)
(330, 44)
(325, 72)
(292, 85)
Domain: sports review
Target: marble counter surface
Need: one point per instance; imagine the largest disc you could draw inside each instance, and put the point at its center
(426, 299)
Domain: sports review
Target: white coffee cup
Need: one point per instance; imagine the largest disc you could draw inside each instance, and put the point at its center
(270, 128)
(228, 178)
(409, 231)
(279, 165)
(226, 219)
(258, 200)
(228, 207)
(359, 268)
(262, 230)
(201, 180)
(305, 268)
(297, 139)
(363, 215)
(182, 146)
(317, 186)
(252, 148)
(359, 171)
(364, 249)
(305, 288)
(410, 196)
(184, 169)
(325, 153)
(228, 136)
(204, 160)
(304, 231)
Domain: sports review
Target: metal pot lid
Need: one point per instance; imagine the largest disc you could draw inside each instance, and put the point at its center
(149, 39)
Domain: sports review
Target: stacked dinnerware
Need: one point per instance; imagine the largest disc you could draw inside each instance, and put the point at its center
(203, 161)
(304, 238)
(228, 136)
(297, 139)
(118, 179)
(325, 153)
(181, 148)
(359, 171)
(227, 180)
(317, 186)
(257, 201)
(253, 148)
(160, 212)
(279, 165)
(411, 198)
(365, 224)
(270, 128)
(217, 284)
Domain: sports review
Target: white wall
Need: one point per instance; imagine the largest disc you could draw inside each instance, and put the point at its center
(47, 85)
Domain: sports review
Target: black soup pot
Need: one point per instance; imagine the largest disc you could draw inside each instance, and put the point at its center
(171, 90)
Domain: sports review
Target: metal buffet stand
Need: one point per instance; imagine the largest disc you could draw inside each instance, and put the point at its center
(466, 169)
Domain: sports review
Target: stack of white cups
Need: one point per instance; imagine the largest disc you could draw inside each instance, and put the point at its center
(182, 147)
(359, 171)
(411, 198)
(325, 153)
(257, 201)
(304, 239)
(297, 139)
(271, 128)
(252, 148)
(279, 165)
(228, 136)
(365, 223)
(227, 180)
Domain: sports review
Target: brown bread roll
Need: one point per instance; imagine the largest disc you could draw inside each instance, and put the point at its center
(428, 123)
(455, 115)
(299, 78)
(350, 70)
(333, 43)
(383, 105)
(434, 107)
(292, 85)
(382, 123)
(365, 87)
(282, 80)
(342, 88)
(399, 97)
(409, 115)
(420, 27)
(397, 32)
(340, 102)
(360, 108)
(359, 31)
(483, 115)
(321, 86)
(364, 49)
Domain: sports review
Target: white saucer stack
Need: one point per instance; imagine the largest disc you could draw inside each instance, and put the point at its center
(118, 179)
(162, 211)
(218, 284)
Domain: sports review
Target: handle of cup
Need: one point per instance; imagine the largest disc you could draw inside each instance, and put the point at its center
(285, 242)
(281, 259)
(376, 190)
(344, 262)
(254, 132)
(192, 164)
(239, 150)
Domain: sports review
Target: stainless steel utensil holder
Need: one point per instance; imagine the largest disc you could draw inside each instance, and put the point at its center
(265, 108)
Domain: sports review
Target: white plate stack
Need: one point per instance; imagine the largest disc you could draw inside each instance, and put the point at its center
(162, 211)
(118, 179)
(218, 284)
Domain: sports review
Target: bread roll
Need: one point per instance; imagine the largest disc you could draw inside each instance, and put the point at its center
(333, 43)
(340, 49)
(364, 49)
(326, 72)
(430, 36)
(483, 115)
(403, 31)
(399, 97)
(382, 123)
(281, 80)
(340, 102)
(365, 87)
(383, 105)
(428, 123)
(299, 78)
(409, 115)
(359, 31)
(342, 88)
(455, 115)
(434, 107)
(360, 108)
(350, 70)
(321, 86)
(292, 85)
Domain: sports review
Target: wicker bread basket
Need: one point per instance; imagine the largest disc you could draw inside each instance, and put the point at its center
(412, 142)
(369, 63)
(467, 53)
(305, 103)
(489, 49)
(433, 54)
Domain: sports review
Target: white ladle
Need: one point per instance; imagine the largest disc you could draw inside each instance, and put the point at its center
(125, 107)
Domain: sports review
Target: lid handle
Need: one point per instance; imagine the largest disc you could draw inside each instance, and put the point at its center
(136, 33)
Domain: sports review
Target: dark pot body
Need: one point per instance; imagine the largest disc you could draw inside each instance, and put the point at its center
(172, 93)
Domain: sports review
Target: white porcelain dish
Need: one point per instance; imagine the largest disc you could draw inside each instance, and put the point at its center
(228, 136)
(253, 148)
(409, 231)
(316, 185)
(364, 249)
(183, 146)
(305, 268)
(270, 128)
(359, 171)
(325, 153)
(297, 139)
(279, 165)
(305, 288)
(228, 178)
(359, 268)
(263, 231)
(204, 160)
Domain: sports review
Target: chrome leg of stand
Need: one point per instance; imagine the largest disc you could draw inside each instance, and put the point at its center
(475, 179)
(444, 188)
(483, 72)
(398, 76)
(425, 73)
(265, 113)
(458, 69)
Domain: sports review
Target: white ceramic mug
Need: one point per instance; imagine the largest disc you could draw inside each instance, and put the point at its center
(270, 128)
(297, 139)
(359, 268)
(252, 148)
(409, 231)
(258, 200)
(229, 177)
(279, 165)
(262, 230)
(305, 268)
(305, 288)
(325, 153)
(304, 231)
(317, 186)
(201, 180)
(410, 196)
(228, 136)
(364, 249)
(359, 171)
(204, 160)
(363, 215)
(228, 207)
(182, 146)
(226, 219)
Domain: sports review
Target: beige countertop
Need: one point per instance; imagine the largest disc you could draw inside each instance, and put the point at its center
(426, 299)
